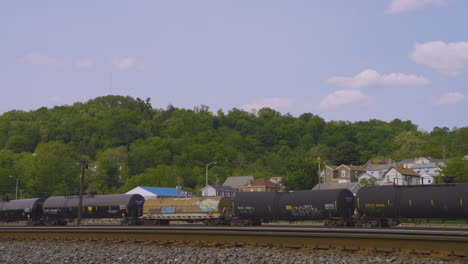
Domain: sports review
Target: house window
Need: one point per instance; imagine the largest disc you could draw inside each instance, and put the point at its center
(428, 181)
(343, 174)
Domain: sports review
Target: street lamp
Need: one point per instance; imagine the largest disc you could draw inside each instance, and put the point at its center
(207, 165)
(17, 179)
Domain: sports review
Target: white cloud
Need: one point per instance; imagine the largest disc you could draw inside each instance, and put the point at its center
(400, 6)
(371, 77)
(127, 63)
(345, 98)
(37, 59)
(85, 63)
(56, 99)
(273, 103)
(448, 58)
(448, 98)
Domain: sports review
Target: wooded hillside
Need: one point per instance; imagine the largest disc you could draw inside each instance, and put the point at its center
(129, 143)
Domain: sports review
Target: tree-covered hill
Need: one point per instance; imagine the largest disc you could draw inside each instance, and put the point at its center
(128, 143)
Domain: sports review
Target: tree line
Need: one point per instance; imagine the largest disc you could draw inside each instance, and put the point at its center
(128, 143)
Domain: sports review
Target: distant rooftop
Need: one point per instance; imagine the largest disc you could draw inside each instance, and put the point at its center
(237, 182)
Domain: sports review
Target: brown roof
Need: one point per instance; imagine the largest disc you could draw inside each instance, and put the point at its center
(263, 182)
(353, 167)
(332, 167)
(404, 171)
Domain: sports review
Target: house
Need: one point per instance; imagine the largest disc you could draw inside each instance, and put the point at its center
(377, 171)
(408, 163)
(261, 185)
(218, 190)
(348, 173)
(401, 176)
(368, 177)
(237, 182)
(379, 162)
(427, 178)
(427, 168)
(328, 173)
(352, 186)
(277, 180)
(158, 192)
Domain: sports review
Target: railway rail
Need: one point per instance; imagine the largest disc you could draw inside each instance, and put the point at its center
(420, 242)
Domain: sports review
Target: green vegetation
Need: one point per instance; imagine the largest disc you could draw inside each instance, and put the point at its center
(129, 143)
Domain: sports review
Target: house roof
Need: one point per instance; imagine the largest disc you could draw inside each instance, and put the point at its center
(406, 161)
(404, 171)
(237, 181)
(434, 160)
(379, 167)
(263, 182)
(333, 167)
(427, 176)
(164, 191)
(353, 167)
(424, 165)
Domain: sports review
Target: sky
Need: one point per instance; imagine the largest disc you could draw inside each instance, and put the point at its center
(339, 59)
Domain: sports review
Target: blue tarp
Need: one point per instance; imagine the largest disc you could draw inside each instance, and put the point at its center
(165, 191)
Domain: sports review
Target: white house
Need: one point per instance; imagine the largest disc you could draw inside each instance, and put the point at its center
(377, 171)
(217, 190)
(427, 178)
(402, 176)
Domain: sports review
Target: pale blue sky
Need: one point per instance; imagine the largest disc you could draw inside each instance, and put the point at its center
(340, 59)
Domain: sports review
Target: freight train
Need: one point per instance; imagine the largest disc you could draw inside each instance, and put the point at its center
(376, 206)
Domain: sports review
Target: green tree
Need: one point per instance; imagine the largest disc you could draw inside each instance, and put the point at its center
(111, 171)
(457, 168)
(346, 153)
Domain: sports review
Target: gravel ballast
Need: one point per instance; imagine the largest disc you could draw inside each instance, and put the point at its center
(99, 252)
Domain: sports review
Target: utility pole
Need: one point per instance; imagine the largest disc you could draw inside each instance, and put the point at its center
(319, 172)
(80, 203)
(17, 179)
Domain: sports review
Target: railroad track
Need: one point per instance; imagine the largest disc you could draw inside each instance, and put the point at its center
(424, 242)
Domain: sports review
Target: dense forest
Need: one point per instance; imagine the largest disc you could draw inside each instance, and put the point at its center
(128, 143)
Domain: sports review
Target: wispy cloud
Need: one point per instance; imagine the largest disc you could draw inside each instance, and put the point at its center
(448, 58)
(37, 59)
(85, 63)
(448, 98)
(274, 103)
(127, 63)
(400, 6)
(345, 98)
(369, 77)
